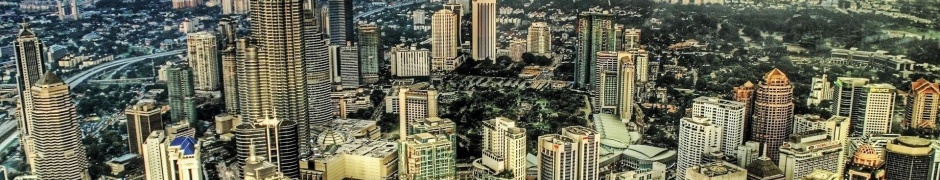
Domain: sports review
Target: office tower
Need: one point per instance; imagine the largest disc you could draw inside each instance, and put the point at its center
(30, 64)
(557, 157)
(866, 164)
(727, 114)
(172, 158)
(234, 6)
(764, 169)
(922, 105)
(503, 150)
(745, 94)
(908, 158)
(715, 171)
(516, 48)
(540, 39)
(483, 23)
(587, 150)
(56, 135)
(595, 33)
(427, 156)
(203, 57)
(773, 111)
(369, 48)
(316, 64)
(153, 155)
(410, 62)
(181, 95)
(72, 13)
(458, 10)
(846, 92)
(820, 90)
(641, 59)
(230, 79)
(608, 92)
(415, 103)
(877, 109)
(807, 151)
(631, 39)
(142, 118)
(445, 29)
(274, 140)
(341, 21)
(697, 135)
(626, 71)
(181, 4)
(348, 57)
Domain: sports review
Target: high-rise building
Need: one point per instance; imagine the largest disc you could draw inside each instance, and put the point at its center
(410, 62)
(274, 140)
(142, 118)
(866, 164)
(697, 136)
(56, 135)
(517, 47)
(182, 159)
(596, 32)
(341, 21)
(641, 59)
(72, 13)
(773, 112)
(30, 64)
(427, 156)
(745, 94)
(727, 114)
(234, 6)
(608, 92)
(459, 10)
(627, 72)
(180, 93)
(445, 29)
(922, 105)
(503, 150)
(349, 66)
(587, 148)
(369, 48)
(415, 103)
(846, 92)
(631, 39)
(807, 151)
(557, 157)
(230, 79)
(715, 171)
(483, 23)
(258, 168)
(908, 158)
(820, 90)
(875, 105)
(153, 155)
(203, 57)
(540, 39)
(181, 4)
(316, 64)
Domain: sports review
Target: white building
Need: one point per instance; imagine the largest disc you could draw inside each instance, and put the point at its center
(176, 159)
(727, 114)
(821, 90)
(411, 62)
(808, 151)
(697, 135)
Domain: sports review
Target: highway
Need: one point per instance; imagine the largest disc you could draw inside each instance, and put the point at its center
(81, 77)
(368, 13)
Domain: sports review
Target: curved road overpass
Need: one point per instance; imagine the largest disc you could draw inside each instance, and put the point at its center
(81, 77)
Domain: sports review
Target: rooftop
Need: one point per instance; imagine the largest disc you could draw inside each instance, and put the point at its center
(615, 134)
(187, 144)
(912, 141)
(717, 169)
(651, 153)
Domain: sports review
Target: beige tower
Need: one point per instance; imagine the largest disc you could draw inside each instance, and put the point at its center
(203, 57)
(587, 143)
(556, 155)
(773, 112)
(922, 105)
(627, 72)
(517, 47)
(142, 118)
(483, 22)
(30, 56)
(503, 150)
(540, 39)
(56, 137)
(444, 26)
(414, 104)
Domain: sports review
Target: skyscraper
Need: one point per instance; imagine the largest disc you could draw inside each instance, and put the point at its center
(272, 75)
(587, 145)
(596, 32)
(922, 105)
(458, 10)
(341, 21)
(180, 93)
(631, 39)
(427, 156)
(203, 57)
(230, 78)
(274, 140)
(745, 94)
(483, 22)
(349, 66)
(607, 95)
(142, 118)
(234, 6)
(540, 39)
(908, 158)
(72, 10)
(846, 91)
(626, 71)
(445, 28)
(369, 48)
(641, 59)
(30, 64)
(58, 145)
(773, 112)
(168, 157)
(556, 155)
(869, 106)
(807, 151)
(415, 103)
(697, 135)
(316, 62)
(503, 150)
(727, 114)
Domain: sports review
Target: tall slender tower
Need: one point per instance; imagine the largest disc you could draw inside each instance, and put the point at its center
(596, 32)
(59, 150)
(444, 40)
(540, 39)
(745, 94)
(697, 136)
(503, 149)
(182, 97)
(203, 56)
(727, 114)
(229, 64)
(483, 22)
(30, 64)
(587, 143)
(773, 112)
(341, 21)
(369, 48)
(142, 118)
(608, 92)
(458, 11)
(274, 80)
(317, 70)
(626, 71)
(922, 105)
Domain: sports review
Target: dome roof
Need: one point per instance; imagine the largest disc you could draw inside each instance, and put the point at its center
(330, 137)
(865, 151)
